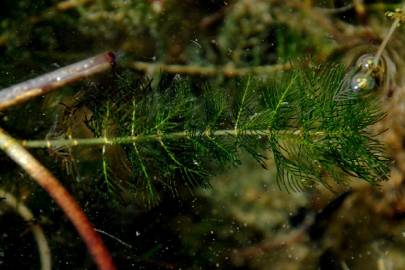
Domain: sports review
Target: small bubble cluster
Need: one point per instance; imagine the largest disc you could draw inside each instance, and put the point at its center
(364, 79)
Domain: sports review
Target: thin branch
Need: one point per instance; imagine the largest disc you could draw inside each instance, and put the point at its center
(336, 10)
(61, 6)
(114, 237)
(384, 43)
(72, 210)
(43, 84)
(398, 19)
(241, 106)
(227, 71)
(49, 13)
(25, 213)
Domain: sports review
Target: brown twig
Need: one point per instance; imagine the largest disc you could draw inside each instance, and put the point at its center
(73, 211)
(43, 84)
(61, 6)
(227, 71)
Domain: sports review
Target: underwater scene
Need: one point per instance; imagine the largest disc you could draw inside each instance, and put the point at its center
(215, 134)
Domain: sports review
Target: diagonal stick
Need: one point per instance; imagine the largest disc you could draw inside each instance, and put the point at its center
(41, 85)
(72, 210)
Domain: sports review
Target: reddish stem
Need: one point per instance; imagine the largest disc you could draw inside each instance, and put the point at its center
(68, 204)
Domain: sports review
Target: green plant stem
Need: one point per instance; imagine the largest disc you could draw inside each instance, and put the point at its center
(241, 105)
(158, 137)
(69, 205)
(227, 71)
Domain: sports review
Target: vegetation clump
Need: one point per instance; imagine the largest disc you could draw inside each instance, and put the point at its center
(195, 90)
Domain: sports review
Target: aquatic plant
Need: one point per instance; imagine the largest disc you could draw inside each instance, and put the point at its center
(149, 137)
(311, 120)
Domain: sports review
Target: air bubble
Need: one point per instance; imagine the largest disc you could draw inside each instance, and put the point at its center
(365, 62)
(362, 82)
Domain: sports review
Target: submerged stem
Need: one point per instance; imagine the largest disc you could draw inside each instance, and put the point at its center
(69, 205)
(41, 85)
(227, 71)
(384, 43)
(25, 213)
(388, 36)
(158, 137)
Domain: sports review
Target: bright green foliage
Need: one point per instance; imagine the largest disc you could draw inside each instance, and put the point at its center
(314, 125)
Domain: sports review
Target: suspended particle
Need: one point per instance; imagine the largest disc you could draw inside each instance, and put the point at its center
(362, 82)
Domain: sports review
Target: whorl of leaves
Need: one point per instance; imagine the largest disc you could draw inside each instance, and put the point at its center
(314, 126)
